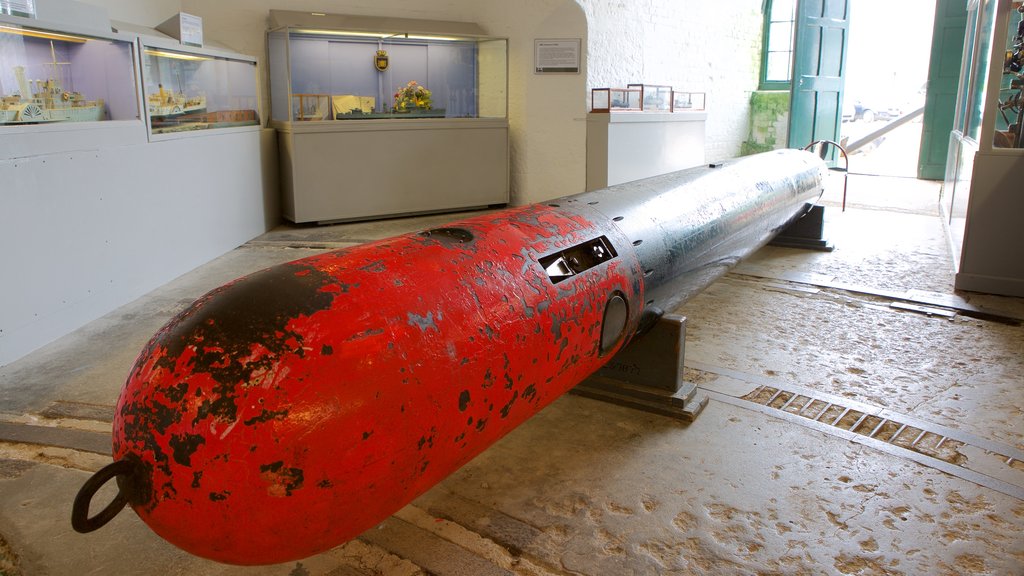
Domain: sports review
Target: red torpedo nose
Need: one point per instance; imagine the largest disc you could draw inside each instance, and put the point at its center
(289, 411)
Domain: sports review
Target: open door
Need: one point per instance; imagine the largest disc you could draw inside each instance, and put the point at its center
(819, 64)
(943, 77)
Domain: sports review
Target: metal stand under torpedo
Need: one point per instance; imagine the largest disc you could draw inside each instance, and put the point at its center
(648, 374)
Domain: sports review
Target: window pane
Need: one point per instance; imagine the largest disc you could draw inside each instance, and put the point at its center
(780, 36)
(783, 10)
(778, 67)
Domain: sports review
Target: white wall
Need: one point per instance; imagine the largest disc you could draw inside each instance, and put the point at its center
(547, 116)
(144, 12)
(694, 45)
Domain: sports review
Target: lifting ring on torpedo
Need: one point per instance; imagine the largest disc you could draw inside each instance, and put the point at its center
(820, 147)
(80, 519)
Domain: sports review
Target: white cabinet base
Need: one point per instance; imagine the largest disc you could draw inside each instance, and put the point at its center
(992, 259)
(364, 169)
(627, 146)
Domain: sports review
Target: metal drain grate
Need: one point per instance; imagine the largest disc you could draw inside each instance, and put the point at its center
(887, 430)
(980, 460)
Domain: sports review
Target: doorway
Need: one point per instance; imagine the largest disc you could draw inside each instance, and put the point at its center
(886, 84)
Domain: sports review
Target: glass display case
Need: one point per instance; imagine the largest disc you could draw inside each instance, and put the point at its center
(1008, 131)
(323, 75)
(966, 133)
(688, 101)
(614, 100)
(188, 89)
(981, 197)
(55, 75)
(653, 97)
(378, 116)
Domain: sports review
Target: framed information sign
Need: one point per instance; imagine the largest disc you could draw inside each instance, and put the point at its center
(556, 56)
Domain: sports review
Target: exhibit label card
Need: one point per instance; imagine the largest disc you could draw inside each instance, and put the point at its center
(191, 30)
(556, 56)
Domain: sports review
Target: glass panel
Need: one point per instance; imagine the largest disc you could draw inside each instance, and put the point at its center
(347, 76)
(687, 101)
(277, 44)
(966, 70)
(783, 10)
(50, 77)
(780, 37)
(492, 62)
(779, 67)
(190, 91)
(979, 80)
(653, 97)
(1009, 121)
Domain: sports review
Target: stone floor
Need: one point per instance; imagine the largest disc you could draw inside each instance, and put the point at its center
(863, 419)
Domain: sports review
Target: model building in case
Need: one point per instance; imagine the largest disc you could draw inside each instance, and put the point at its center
(323, 74)
(198, 89)
(49, 75)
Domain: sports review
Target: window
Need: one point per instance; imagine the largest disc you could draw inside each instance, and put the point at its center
(777, 51)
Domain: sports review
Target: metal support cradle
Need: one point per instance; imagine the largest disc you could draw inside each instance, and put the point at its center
(648, 374)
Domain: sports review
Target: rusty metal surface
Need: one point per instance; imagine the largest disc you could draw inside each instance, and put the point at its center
(349, 383)
(290, 410)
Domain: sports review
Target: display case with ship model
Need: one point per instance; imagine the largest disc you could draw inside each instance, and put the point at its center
(381, 116)
(688, 101)
(615, 100)
(653, 97)
(52, 76)
(188, 89)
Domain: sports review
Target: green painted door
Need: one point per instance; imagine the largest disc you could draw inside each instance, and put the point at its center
(819, 63)
(943, 76)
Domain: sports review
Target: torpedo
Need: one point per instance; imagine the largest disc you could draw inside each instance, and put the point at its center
(290, 410)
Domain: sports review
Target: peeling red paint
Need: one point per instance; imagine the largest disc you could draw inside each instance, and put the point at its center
(271, 429)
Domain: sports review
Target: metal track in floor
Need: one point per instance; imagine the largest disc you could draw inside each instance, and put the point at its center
(984, 462)
(930, 303)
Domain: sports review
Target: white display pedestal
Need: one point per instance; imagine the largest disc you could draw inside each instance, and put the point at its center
(627, 146)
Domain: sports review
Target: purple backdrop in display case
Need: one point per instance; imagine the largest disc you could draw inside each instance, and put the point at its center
(322, 65)
(98, 69)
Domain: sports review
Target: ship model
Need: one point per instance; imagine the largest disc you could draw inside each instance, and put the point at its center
(167, 104)
(47, 100)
